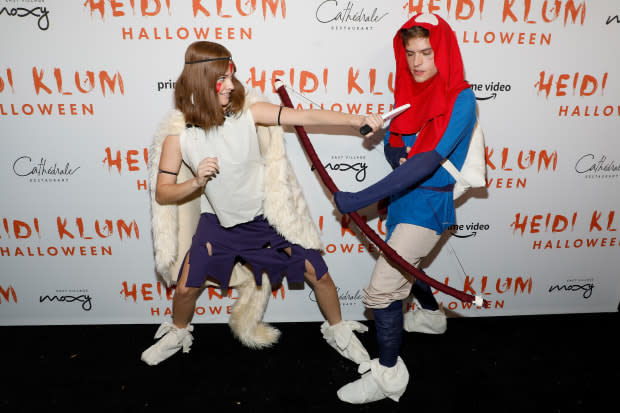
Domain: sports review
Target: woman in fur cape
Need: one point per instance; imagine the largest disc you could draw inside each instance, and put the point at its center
(251, 208)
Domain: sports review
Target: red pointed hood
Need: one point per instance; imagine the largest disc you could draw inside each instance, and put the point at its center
(431, 101)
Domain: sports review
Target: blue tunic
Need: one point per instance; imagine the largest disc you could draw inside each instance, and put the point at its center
(429, 208)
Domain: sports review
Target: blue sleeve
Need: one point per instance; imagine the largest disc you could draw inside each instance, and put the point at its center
(416, 169)
(420, 166)
(461, 123)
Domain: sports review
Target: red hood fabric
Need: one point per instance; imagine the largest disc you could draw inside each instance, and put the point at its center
(431, 101)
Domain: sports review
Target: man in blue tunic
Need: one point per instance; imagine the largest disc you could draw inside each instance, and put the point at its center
(430, 77)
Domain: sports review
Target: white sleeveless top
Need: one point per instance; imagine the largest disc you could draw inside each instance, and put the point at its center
(235, 194)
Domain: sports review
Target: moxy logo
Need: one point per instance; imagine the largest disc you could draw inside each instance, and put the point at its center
(349, 164)
(84, 300)
(583, 287)
(612, 19)
(154, 8)
(41, 14)
(7, 294)
(512, 11)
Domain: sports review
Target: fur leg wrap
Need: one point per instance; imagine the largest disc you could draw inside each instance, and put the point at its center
(341, 337)
(377, 382)
(171, 339)
(247, 312)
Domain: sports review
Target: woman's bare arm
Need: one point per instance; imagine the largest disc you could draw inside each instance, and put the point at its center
(267, 114)
(167, 190)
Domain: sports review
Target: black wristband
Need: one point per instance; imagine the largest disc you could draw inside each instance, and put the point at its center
(279, 113)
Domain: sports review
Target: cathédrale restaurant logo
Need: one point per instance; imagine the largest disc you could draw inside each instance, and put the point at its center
(40, 169)
(26, 11)
(597, 166)
(349, 15)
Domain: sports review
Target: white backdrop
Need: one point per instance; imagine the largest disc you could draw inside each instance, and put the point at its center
(84, 83)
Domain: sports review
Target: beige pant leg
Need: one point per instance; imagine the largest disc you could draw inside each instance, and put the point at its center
(388, 283)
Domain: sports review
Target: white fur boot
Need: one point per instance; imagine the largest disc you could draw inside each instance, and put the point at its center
(425, 321)
(341, 337)
(173, 339)
(377, 382)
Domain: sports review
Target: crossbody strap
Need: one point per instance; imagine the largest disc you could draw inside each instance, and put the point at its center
(449, 166)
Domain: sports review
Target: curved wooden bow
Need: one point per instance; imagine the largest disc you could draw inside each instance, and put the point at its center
(389, 252)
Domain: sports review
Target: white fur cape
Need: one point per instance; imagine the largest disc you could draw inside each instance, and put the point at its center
(284, 205)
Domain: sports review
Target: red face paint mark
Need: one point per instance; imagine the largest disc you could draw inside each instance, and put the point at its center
(218, 85)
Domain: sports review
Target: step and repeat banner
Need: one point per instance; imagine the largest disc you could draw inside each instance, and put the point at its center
(84, 84)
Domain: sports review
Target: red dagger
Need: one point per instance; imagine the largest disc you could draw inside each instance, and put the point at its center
(389, 252)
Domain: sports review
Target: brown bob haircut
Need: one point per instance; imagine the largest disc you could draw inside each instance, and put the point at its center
(200, 79)
(413, 33)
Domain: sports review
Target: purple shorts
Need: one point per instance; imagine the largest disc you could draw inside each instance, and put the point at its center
(256, 243)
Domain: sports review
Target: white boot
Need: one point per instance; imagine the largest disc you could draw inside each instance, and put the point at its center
(341, 337)
(173, 339)
(379, 383)
(425, 321)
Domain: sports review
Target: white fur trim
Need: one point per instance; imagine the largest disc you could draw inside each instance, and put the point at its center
(284, 206)
(170, 238)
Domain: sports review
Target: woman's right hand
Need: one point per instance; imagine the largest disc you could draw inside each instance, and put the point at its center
(207, 169)
(373, 120)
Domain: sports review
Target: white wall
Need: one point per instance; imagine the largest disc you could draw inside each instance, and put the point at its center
(75, 209)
